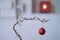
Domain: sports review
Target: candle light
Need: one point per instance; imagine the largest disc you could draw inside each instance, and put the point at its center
(45, 6)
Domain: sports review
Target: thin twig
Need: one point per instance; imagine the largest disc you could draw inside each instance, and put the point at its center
(14, 26)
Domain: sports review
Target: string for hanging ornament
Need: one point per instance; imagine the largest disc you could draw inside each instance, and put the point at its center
(42, 29)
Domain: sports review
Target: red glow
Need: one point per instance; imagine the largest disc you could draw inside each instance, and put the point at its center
(45, 6)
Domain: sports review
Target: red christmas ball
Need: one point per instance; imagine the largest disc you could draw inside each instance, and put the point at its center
(42, 31)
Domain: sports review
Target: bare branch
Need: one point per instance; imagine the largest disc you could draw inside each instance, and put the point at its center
(21, 19)
(14, 26)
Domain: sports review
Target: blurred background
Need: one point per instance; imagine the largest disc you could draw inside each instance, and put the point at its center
(28, 29)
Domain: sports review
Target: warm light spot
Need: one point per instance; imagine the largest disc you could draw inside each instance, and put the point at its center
(44, 6)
